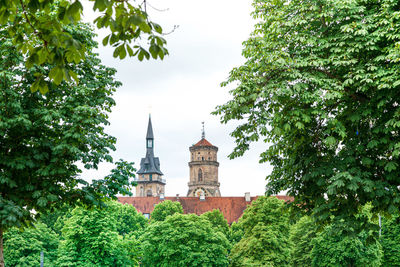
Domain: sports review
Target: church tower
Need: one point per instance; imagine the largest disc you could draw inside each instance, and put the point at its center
(203, 167)
(150, 181)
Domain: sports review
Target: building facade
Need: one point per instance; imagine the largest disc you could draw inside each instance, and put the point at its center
(150, 178)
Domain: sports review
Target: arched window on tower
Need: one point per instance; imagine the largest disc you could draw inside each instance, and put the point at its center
(200, 175)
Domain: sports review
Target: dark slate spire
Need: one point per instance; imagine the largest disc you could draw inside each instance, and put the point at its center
(149, 164)
(149, 130)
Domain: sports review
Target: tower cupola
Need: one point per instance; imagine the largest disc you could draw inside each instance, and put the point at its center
(203, 167)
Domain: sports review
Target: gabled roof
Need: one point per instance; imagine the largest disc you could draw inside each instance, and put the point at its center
(203, 142)
(231, 207)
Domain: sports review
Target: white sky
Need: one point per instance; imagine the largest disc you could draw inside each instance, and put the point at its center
(182, 91)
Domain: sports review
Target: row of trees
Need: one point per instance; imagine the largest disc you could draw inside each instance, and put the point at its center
(265, 236)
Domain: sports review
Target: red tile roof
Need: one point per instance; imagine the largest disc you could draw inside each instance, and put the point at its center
(203, 142)
(231, 207)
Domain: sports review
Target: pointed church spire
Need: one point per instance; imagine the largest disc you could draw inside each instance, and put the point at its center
(149, 164)
(203, 133)
(149, 129)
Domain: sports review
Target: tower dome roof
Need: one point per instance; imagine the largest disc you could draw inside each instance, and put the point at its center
(203, 142)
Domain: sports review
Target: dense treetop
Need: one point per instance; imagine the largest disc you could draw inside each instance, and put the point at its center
(164, 209)
(101, 237)
(184, 240)
(265, 240)
(321, 86)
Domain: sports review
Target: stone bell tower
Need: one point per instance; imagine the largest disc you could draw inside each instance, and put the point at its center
(150, 181)
(203, 167)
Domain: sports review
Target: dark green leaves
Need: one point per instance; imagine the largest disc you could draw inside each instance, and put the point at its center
(320, 85)
(42, 137)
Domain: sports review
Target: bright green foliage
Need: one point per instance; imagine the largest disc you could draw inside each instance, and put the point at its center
(22, 248)
(90, 238)
(128, 220)
(390, 241)
(301, 235)
(43, 137)
(321, 86)
(235, 233)
(334, 247)
(164, 209)
(37, 29)
(217, 220)
(266, 235)
(184, 240)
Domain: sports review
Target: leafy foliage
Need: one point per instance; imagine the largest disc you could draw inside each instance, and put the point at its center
(43, 137)
(128, 220)
(390, 241)
(90, 237)
(22, 248)
(235, 233)
(321, 86)
(301, 235)
(52, 218)
(164, 209)
(184, 240)
(335, 247)
(266, 235)
(217, 220)
(38, 30)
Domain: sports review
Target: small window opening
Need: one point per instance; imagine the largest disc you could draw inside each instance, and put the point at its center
(200, 175)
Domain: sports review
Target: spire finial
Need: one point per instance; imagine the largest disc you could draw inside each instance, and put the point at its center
(203, 133)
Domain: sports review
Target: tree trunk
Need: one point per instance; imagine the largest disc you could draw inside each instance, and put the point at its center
(1, 249)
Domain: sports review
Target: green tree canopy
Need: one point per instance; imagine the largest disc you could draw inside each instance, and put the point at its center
(334, 247)
(321, 86)
(23, 248)
(266, 235)
(37, 29)
(91, 237)
(390, 241)
(164, 209)
(184, 240)
(55, 218)
(128, 219)
(217, 220)
(301, 235)
(235, 233)
(42, 138)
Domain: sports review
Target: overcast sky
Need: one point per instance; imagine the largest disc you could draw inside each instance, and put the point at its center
(181, 91)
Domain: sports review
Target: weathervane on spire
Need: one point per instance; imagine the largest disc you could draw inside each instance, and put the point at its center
(203, 133)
